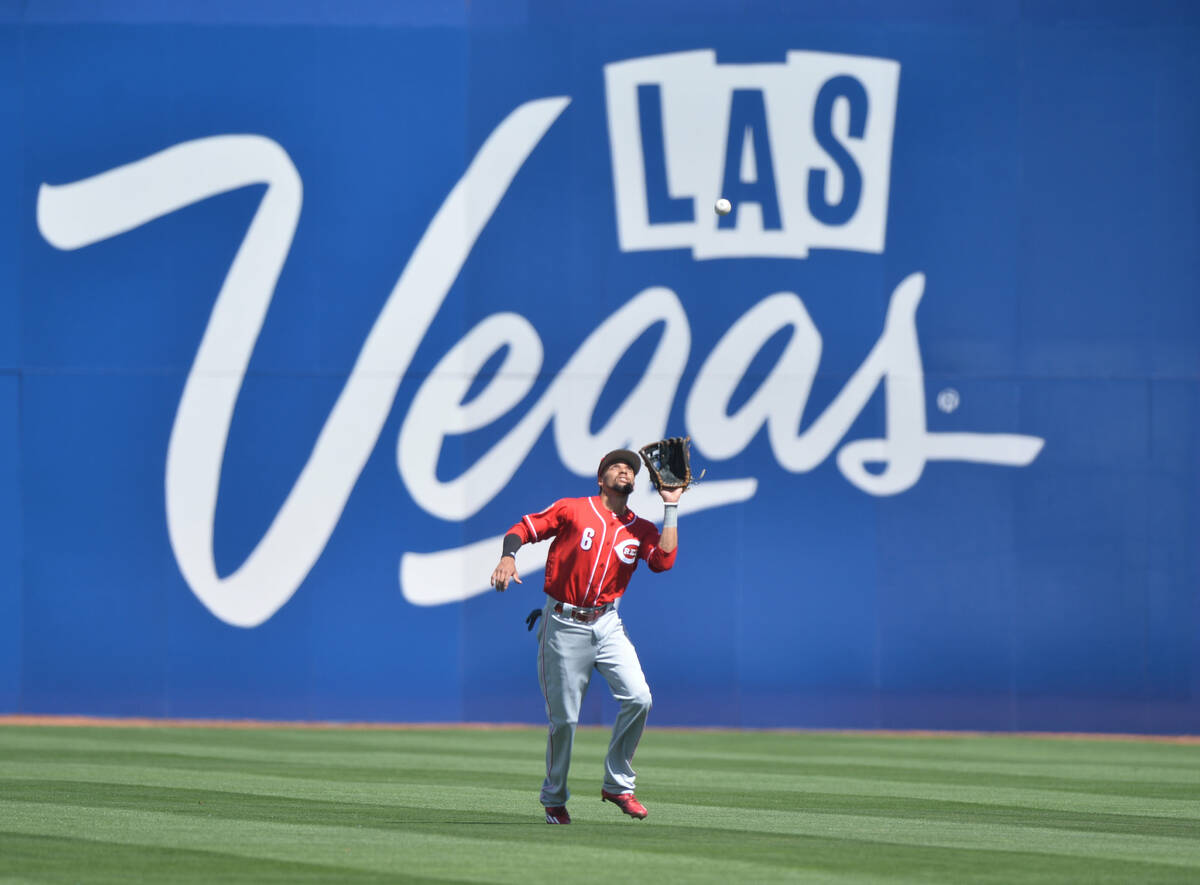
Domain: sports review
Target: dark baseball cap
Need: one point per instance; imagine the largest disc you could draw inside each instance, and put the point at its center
(619, 456)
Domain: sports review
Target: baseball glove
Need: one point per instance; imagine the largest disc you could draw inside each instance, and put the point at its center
(669, 462)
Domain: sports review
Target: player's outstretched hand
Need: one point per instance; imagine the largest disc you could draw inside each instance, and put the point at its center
(671, 496)
(506, 571)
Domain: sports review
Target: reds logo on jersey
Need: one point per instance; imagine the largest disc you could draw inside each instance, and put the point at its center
(627, 551)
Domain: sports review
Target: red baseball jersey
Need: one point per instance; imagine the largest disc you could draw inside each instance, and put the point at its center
(594, 552)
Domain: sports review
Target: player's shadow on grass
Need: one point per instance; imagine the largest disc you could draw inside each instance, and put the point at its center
(401, 823)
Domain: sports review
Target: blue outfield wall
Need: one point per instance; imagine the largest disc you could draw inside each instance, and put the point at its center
(304, 306)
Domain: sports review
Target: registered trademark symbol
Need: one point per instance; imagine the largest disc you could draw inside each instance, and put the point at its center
(948, 400)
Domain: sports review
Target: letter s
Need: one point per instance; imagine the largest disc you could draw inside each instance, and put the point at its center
(843, 210)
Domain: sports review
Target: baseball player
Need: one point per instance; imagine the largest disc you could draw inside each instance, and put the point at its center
(597, 544)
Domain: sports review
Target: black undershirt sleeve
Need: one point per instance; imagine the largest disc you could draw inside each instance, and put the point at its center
(512, 543)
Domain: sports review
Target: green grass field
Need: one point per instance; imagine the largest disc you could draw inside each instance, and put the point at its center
(88, 804)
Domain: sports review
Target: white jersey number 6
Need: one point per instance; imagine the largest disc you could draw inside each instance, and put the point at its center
(585, 543)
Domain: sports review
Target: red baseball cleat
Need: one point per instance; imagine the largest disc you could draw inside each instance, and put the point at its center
(557, 814)
(627, 802)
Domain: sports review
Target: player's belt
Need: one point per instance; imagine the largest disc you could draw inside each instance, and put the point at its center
(582, 614)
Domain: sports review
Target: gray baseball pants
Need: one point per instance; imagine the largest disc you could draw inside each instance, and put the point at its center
(568, 652)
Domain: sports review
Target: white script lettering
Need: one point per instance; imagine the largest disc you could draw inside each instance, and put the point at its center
(78, 214)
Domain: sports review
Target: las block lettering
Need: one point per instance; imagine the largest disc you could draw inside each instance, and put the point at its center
(802, 149)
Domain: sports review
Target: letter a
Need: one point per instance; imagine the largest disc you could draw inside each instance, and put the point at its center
(748, 117)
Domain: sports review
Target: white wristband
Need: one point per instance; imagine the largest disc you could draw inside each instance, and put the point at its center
(670, 516)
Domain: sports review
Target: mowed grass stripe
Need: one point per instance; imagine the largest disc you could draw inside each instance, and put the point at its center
(475, 853)
(1041, 791)
(343, 767)
(70, 859)
(309, 801)
(910, 824)
(705, 804)
(1089, 762)
(533, 853)
(812, 861)
(732, 790)
(1080, 811)
(249, 742)
(730, 744)
(433, 768)
(1181, 795)
(1063, 769)
(723, 788)
(1078, 760)
(693, 741)
(760, 745)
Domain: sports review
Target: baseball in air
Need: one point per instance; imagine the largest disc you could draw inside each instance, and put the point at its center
(723, 206)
